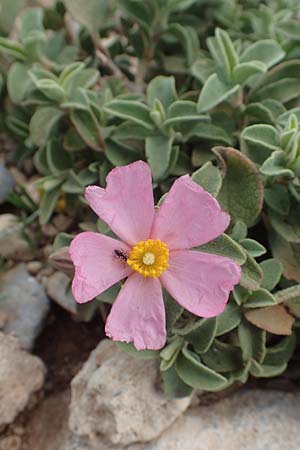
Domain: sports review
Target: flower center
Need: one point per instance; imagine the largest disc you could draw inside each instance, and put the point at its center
(149, 258)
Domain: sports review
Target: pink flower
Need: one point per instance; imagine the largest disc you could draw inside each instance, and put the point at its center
(152, 252)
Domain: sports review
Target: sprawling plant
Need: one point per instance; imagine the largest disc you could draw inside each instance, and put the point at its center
(199, 87)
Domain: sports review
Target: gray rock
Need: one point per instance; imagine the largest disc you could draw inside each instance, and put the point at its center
(21, 375)
(249, 420)
(25, 304)
(56, 287)
(12, 245)
(114, 399)
(76, 443)
(53, 410)
(33, 267)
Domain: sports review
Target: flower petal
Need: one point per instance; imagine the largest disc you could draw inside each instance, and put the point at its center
(189, 216)
(96, 265)
(127, 204)
(138, 314)
(200, 282)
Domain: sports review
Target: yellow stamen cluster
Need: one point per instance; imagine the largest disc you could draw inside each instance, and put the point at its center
(149, 258)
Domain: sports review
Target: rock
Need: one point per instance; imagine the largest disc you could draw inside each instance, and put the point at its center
(75, 443)
(57, 289)
(249, 420)
(62, 222)
(3, 318)
(34, 267)
(25, 303)
(55, 411)
(12, 245)
(10, 443)
(18, 176)
(114, 398)
(21, 375)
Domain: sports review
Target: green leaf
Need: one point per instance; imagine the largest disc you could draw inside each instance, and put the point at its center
(40, 160)
(223, 357)
(86, 311)
(77, 76)
(239, 231)
(223, 52)
(93, 14)
(129, 130)
(159, 155)
(202, 68)
(173, 310)
(287, 227)
(131, 350)
(182, 115)
(119, 154)
(139, 11)
(72, 141)
(289, 29)
(253, 247)
(252, 274)
(252, 341)
(289, 294)
(282, 352)
(158, 115)
(215, 92)
(130, 110)
(169, 354)
(266, 111)
(43, 122)
(284, 117)
(229, 319)
(188, 38)
(244, 71)
(18, 82)
(227, 46)
(281, 90)
(272, 270)
(207, 131)
(201, 334)
(288, 254)
(73, 184)
(110, 294)
(209, 177)
(225, 246)
(48, 204)
(174, 386)
(9, 12)
(87, 128)
(265, 371)
(240, 294)
(260, 298)
(163, 89)
(31, 25)
(274, 319)
(58, 160)
(62, 240)
(242, 204)
(267, 51)
(259, 141)
(277, 197)
(276, 166)
(51, 89)
(197, 375)
(12, 48)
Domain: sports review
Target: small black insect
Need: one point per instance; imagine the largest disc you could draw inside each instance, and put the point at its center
(122, 255)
